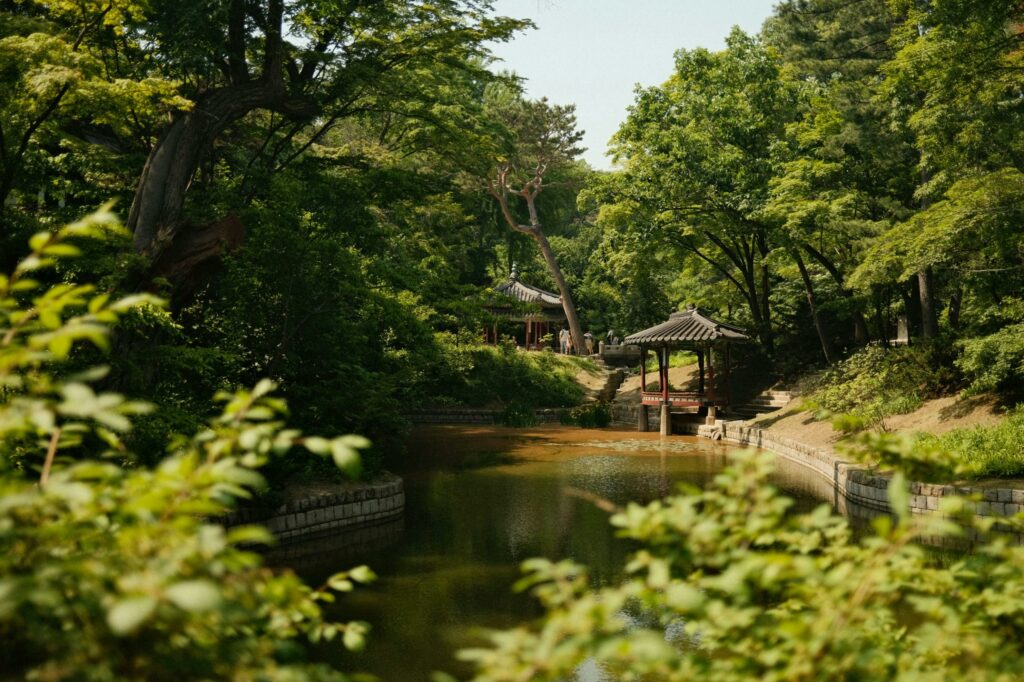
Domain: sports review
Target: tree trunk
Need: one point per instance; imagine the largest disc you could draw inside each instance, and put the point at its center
(929, 315)
(156, 213)
(563, 289)
(954, 307)
(860, 325)
(819, 325)
(500, 192)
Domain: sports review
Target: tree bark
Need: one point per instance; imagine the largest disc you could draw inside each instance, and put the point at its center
(499, 191)
(929, 315)
(954, 307)
(860, 325)
(156, 213)
(819, 324)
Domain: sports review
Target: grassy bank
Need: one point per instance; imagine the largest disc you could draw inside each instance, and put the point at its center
(987, 451)
(503, 375)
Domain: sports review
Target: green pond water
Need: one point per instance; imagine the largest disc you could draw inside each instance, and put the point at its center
(478, 502)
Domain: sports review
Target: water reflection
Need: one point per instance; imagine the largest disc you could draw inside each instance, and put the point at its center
(479, 501)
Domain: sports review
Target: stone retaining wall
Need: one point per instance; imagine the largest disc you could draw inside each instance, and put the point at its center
(869, 489)
(472, 415)
(369, 504)
(859, 488)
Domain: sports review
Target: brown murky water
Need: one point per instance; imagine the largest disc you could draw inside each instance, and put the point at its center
(479, 501)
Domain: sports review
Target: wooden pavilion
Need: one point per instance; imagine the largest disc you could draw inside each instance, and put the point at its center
(694, 331)
(539, 311)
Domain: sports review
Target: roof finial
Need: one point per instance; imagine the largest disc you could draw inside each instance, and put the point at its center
(514, 276)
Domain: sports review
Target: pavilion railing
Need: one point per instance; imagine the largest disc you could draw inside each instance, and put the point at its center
(680, 398)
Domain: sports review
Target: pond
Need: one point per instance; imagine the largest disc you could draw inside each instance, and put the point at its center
(479, 500)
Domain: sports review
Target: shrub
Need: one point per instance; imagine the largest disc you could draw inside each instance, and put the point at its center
(518, 415)
(878, 382)
(482, 375)
(112, 573)
(995, 362)
(594, 415)
(730, 584)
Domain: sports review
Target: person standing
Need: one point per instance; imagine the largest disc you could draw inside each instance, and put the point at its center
(589, 339)
(563, 340)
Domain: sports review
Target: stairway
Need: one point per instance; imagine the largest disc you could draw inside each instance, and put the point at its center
(613, 378)
(764, 402)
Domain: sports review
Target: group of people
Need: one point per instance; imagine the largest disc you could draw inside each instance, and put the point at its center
(565, 341)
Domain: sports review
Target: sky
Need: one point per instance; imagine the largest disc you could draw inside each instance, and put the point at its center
(592, 53)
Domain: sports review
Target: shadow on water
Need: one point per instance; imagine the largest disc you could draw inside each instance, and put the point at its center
(480, 500)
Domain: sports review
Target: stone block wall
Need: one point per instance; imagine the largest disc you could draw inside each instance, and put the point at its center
(352, 508)
(869, 489)
(472, 415)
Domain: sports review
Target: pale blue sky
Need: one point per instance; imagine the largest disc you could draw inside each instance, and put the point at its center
(593, 52)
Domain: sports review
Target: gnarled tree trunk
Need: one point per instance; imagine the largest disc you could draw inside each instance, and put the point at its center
(156, 212)
(499, 190)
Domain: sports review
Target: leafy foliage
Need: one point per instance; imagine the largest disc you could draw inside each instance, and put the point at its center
(115, 573)
(481, 375)
(878, 382)
(995, 361)
(986, 451)
(593, 415)
(730, 584)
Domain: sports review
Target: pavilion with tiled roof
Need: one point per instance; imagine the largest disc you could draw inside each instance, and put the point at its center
(539, 309)
(692, 330)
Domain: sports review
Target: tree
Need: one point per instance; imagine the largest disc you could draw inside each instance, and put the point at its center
(57, 83)
(543, 139)
(698, 149)
(311, 63)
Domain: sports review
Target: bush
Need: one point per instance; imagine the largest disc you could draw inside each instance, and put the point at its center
(518, 415)
(109, 573)
(995, 362)
(594, 415)
(482, 375)
(730, 584)
(878, 382)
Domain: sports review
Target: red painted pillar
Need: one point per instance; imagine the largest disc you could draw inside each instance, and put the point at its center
(664, 374)
(643, 370)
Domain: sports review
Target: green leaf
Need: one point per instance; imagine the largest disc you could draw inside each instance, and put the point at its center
(252, 535)
(340, 584)
(127, 615)
(264, 387)
(60, 346)
(317, 445)
(899, 497)
(362, 574)
(37, 241)
(346, 458)
(354, 638)
(194, 595)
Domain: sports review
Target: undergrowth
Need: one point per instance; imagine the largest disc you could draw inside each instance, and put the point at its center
(483, 375)
(987, 451)
(590, 416)
(878, 382)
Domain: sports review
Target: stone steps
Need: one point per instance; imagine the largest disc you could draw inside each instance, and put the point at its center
(762, 403)
(613, 378)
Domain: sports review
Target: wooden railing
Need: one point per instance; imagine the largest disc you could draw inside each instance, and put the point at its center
(680, 398)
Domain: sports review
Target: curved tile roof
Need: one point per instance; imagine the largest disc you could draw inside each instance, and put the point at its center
(685, 326)
(528, 293)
